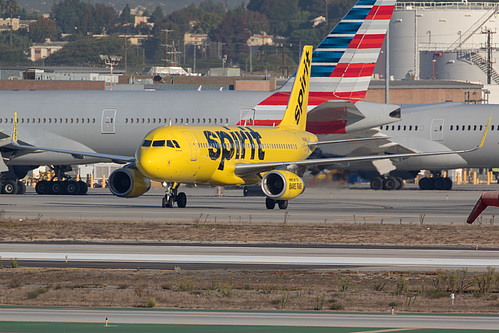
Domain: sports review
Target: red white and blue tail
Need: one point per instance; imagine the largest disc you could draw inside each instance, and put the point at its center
(343, 63)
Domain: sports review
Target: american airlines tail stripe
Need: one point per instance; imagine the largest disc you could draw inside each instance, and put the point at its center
(380, 13)
(367, 42)
(354, 70)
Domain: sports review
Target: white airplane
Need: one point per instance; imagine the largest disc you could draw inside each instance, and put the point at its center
(113, 121)
(425, 127)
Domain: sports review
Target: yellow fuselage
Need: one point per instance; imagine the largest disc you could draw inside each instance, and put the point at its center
(208, 155)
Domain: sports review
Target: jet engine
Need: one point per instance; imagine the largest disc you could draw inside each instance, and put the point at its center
(128, 182)
(282, 185)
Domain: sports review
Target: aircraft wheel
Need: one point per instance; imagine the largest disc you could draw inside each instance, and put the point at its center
(283, 204)
(377, 183)
(56, 187)
(21, 187)
(181, 200)
(390, 183)
(167, 202)
(9, 187)
(448, 184)
(42, 187)
(269, 203)
(426, 184)
(440, 183)
(401, 183)
(71, 188)
(83, 187)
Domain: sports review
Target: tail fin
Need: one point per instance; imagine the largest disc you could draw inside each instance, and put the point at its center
(343, 63)
(295, 116)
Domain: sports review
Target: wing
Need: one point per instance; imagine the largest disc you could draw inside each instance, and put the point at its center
(78, 154)
(255, 168)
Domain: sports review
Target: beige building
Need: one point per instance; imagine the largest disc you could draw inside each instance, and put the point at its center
(43, 50)
(260, 40)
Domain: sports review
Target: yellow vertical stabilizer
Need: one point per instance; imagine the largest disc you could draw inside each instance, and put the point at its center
(295, 116)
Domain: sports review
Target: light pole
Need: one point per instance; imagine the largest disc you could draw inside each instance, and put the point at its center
(110, 61)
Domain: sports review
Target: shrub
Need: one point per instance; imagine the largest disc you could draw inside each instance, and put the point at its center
(151, 303)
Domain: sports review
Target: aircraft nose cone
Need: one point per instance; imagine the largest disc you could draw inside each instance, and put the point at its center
(148, 163)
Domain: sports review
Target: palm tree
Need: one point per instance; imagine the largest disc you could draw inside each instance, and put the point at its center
(11, 7)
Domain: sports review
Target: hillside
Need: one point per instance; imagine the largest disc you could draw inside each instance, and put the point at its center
(167, 5)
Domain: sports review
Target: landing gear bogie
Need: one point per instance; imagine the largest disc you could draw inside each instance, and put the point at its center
(57, 187)
(436, 183)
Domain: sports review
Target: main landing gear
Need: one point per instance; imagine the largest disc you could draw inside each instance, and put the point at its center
(63, 186)
(10, 186)
(437, 183)
(270, 203)
(387, 183)
(171, 196)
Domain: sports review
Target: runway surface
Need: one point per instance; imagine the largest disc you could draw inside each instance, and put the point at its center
(240, 318)
(208, 257)
(355, 203)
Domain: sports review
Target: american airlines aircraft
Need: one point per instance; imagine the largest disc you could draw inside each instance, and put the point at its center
(426, 127)
(114, 122)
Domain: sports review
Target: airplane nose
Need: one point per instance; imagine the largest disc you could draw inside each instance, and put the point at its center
(148, 163)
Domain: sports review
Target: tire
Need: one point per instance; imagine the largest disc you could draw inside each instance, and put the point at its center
(269, 203)
(9, 187)
(283, 204)
(440, 184)
(42, 187)
(401, 183)
(83, 187)
(389, 184)
(377, 183)
(21, 187)
(56, 187)
(245, 191)
(71, 188)
(181, 200)
(448, 184)
(426, 184)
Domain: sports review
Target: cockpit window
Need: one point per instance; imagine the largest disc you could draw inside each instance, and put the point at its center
(146, 143)
(176, 144)
(169, 143)
(158, 143)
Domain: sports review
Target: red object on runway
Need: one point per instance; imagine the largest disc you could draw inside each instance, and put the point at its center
(487, 199)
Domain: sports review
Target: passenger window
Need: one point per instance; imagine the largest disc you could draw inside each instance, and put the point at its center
(451, 127)
(464, 127)
(126, 120)
(154, 120)
(474, 128)
(469, 127)
(146, 143)
(158, 143)
(481, 126)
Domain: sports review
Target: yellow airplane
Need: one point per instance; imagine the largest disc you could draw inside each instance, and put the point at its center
(230, 155)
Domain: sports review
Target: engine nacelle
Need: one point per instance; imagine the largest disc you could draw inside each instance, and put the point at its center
(282, 185)
(128, 182)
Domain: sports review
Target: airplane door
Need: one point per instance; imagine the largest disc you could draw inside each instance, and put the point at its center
(192, 144)
(108, 121)
(437, 130)
(247, 117)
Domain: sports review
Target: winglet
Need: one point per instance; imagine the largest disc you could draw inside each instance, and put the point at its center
(485, 134)
(14, 131)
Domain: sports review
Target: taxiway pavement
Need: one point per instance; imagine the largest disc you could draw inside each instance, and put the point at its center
(353, 203)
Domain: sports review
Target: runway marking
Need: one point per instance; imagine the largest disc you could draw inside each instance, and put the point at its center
(388, 330)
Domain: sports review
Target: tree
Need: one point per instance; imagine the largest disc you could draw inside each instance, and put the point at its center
(235, 30)
(12, 55)
(41, 29)
(277, 11)
(157, 15)
(126, 16)
(10, 9)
